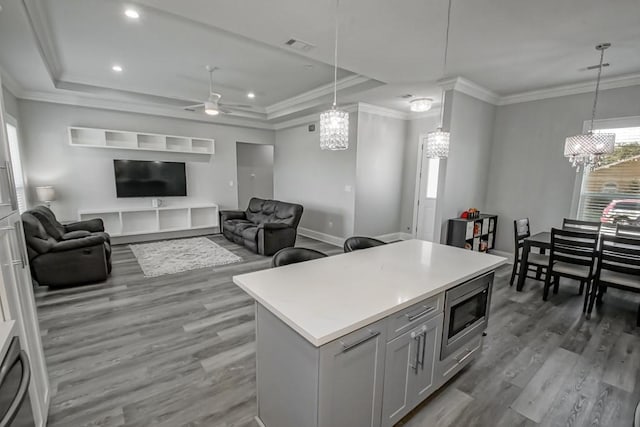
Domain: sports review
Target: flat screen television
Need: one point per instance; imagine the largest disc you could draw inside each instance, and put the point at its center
(135, 178)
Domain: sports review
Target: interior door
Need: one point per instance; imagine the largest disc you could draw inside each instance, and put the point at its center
(7, 191)
(255, 172)
(426, 218)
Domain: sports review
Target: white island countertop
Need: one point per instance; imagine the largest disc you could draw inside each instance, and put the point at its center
(328, 298)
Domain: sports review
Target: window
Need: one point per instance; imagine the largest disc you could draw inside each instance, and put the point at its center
(611, 193)
(16, 166)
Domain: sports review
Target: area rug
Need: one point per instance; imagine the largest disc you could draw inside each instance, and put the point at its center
(176, 256)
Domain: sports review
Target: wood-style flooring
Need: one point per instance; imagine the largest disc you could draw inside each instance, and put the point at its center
(178, 350)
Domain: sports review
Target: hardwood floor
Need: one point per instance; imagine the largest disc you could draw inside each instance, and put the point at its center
(178, 350)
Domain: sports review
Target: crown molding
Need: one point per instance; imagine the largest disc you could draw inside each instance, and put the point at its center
(10, 83)
(470, 88)
(311, 98)
(382, 111)
(310, 118)
(571, 89)
(43, 35)
(89, 101)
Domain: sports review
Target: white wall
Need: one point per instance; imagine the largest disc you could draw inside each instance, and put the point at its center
(529, 177)
(381, 146)
(415, 128)
(84, 177)
(10, 103)
(305, 174)
(470, 122)
(255, 172)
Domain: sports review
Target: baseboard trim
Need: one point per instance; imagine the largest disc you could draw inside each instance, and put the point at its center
(394, 237)
(323, 237)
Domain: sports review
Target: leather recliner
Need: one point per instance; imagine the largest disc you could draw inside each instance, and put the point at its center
(80, 257)
(265, 227)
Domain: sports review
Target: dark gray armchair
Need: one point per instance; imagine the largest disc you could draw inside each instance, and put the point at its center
(69, 262)
(265, 227)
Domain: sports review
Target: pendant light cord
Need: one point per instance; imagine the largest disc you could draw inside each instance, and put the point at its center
(595, 99)
(444, 61)
(335, 58)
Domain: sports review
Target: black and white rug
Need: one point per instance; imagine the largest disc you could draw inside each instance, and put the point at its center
(176, 256)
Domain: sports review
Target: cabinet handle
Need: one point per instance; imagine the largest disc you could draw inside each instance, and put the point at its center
(417, 364)
(349, 347)
(424, 345)
(466, 356)
(22, 244)
(412, 317)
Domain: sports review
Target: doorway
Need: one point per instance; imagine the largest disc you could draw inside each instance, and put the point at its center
(428, 179)
(255, 172)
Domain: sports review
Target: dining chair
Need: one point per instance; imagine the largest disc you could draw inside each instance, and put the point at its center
(288, 256)
(357, 242)
(540, 262)
(578, 225)
(572, 255)
(618, 267)
(628, 231)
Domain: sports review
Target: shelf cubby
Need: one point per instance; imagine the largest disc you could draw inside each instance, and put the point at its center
(151, 142)
(476, 234)
(88, 137)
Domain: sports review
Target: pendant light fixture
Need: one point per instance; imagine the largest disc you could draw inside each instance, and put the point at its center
(438, 140)
(587, 149)
(334, 123)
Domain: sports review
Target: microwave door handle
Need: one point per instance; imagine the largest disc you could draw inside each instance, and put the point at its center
(16, 404)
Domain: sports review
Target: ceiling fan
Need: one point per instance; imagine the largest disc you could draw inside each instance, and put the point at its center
(212, 106)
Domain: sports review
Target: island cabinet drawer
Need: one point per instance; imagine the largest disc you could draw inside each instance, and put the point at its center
(407, 319)
(453, 364)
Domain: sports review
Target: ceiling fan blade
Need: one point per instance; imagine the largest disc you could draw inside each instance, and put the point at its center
(231, 105)
(193, 107)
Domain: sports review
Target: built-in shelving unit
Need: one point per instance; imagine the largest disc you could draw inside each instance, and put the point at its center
(476, 234)
(135, 221)
(123, 140)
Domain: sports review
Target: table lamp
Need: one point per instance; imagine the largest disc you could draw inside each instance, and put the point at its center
(46, 194)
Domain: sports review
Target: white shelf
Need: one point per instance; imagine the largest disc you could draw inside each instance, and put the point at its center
(148, 220)
(123, 140)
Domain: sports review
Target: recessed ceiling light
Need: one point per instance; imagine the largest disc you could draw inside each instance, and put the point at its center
(251, 95)
(132, 13)
(117, 68)
(420, 105)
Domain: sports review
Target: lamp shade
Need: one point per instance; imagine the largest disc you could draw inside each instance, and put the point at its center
(45, 193)
(595, 144)
(334, 130)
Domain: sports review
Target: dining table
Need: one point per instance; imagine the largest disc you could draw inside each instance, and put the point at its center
(541, 241)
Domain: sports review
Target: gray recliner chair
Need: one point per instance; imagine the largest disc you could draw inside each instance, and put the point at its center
(74, 261)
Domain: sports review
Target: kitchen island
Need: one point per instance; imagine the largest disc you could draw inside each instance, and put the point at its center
(357, 339)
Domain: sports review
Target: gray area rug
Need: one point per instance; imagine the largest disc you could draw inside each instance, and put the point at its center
(176, 256)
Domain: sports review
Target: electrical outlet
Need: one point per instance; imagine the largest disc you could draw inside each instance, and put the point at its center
(330, 224)
(347, 188)
(230, 183)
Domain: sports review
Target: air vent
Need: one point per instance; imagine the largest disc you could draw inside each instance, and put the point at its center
(299, 45)
(407, 96)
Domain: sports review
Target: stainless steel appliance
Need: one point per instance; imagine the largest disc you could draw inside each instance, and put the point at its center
(15, 375)
(466, 313)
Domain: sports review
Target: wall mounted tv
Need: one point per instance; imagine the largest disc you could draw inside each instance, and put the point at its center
(135, 178)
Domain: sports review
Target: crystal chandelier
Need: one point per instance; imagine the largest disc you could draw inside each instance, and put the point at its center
(587, 149)
(420, 105)
(438, 140)
(334, 123)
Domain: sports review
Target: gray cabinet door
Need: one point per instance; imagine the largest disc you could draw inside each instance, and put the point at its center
(351, 376)
(426, 380)
(400, 369)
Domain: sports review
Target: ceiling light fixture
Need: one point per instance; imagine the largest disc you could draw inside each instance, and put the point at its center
(334, 123)
(132, 13)
(420, 105)
(438, 140)
(117, 68)
(251, 95)
(211, 108)
(587, 149)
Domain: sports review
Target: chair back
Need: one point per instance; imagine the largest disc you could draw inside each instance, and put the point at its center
(288, 256)
(632, 231)
(357, 242)
(574, 247)
(620, 254)
(585, 226)
(521, 231)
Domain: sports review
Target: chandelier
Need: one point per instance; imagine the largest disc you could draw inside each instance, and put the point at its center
(438, 140)
(586, 150)
(334, 123)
